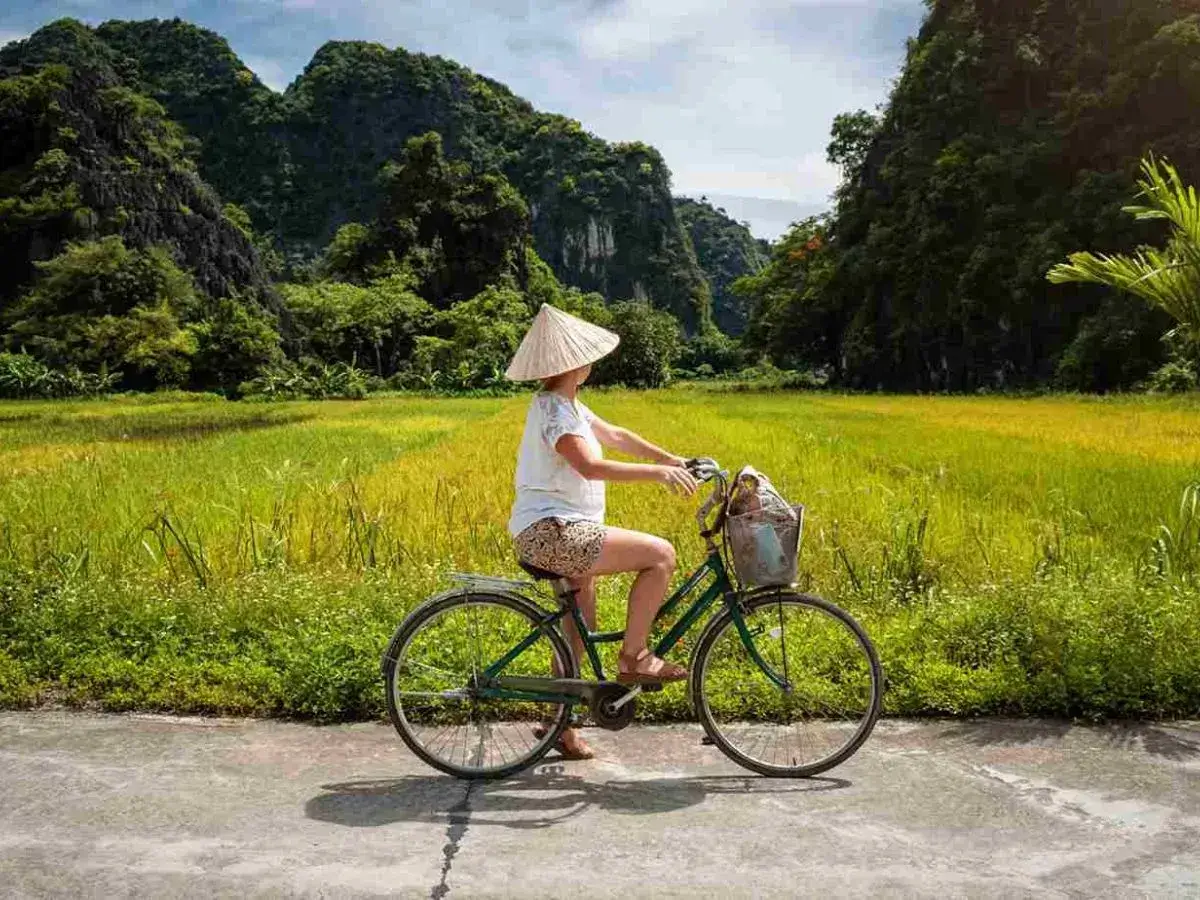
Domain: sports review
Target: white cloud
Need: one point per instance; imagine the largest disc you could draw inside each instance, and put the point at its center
(738, 95)
(270, 72)
(7, 37)
(739, 98)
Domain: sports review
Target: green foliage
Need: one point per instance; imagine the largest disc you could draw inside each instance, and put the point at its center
(305, 163)
(459, 231)
(726, 251)
(1010, 139)
(1116, 346)
(348, 254)
(105, 308)
(471, 343)
(24, 377)
(1175, 377)
(650, 346)
(309, 379)
(15, 688)
(374, 325)
(1168, 279)
(709, 353)
(852, 136)
(100, 306)
(792, 317)
(234, 341)
(1175, 550)
(148, 344)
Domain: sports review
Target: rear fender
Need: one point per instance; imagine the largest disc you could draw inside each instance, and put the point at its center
(393, 647)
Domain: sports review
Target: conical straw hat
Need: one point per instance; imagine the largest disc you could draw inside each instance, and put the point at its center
(558, 342)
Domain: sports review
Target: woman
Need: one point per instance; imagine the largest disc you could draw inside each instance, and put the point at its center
(557, 519)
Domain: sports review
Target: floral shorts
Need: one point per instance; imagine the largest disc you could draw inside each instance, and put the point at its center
(568, 548)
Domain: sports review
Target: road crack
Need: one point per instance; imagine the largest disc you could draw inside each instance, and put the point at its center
(456, 830)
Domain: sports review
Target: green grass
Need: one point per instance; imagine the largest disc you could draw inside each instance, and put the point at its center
(191, 554)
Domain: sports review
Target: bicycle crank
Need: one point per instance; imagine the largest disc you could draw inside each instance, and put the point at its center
(613, 705)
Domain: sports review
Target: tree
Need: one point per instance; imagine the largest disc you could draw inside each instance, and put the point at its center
(650, 345)
(471, 343)
(852, 135)
(1168, 278)
(102, 306)
(792, 317)
(373, 325)
(456, 230)
(234, 342)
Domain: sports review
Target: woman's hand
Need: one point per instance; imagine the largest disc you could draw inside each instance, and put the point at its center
(678, 479)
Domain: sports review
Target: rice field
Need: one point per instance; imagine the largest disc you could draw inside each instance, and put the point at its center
(187, 553)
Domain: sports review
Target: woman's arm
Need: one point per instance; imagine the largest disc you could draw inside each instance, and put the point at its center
(625, 441)
(575, 450)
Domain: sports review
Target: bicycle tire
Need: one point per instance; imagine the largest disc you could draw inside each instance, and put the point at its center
(428, 612)
(701, 660)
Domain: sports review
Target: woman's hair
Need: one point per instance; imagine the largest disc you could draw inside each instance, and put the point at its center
(549, 384)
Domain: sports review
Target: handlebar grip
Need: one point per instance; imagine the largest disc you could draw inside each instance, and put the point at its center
(703, 468)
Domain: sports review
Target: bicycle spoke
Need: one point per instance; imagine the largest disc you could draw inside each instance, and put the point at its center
(832, 697)
(429, 668)
(434, 703)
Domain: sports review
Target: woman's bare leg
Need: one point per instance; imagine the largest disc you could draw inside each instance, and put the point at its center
(585, 599)
(654, 560)
(573, 744)
(624, 551)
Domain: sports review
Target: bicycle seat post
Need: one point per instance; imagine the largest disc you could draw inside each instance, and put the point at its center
(563, 592)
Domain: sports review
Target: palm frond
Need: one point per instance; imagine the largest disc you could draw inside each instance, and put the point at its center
(1169, 278)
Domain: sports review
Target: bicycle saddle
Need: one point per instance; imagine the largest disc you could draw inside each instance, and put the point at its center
(539, 574)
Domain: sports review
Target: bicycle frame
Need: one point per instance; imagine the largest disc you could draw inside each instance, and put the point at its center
(492, 683)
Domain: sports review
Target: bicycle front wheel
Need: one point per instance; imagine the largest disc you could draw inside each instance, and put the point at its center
(431, 671)
(814, 703)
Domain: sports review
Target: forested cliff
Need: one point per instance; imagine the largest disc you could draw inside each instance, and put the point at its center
(726, 251)
(166, 217)
(83, 155)
(306, 162)
(1011, 139)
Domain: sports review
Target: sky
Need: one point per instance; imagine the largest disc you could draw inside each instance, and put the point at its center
(738, 95)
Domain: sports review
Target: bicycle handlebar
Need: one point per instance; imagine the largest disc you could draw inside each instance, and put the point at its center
(703, 468)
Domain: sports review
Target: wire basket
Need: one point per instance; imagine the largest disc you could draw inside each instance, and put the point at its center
(765, 545)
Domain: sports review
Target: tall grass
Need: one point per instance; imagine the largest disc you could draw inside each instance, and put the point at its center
(1008, 555)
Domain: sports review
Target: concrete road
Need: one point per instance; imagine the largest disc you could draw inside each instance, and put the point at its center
(152, 806)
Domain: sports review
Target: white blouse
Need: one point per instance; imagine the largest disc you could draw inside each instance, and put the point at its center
(547, 485)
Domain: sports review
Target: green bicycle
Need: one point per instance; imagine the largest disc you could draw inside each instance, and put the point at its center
(785, 684)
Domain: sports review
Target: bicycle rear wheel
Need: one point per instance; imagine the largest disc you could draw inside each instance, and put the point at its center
(831, 698)
(430, 671)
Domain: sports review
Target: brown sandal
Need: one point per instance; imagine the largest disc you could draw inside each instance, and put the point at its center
(646, 668)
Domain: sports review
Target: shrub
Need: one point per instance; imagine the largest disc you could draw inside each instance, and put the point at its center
(100, 306)
(23, 377)
(650, 345)
(1176, 377)
(233, 344)
(310, 379)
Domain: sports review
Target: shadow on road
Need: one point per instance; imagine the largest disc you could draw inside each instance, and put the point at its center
(539, 800)
(1156, 740)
